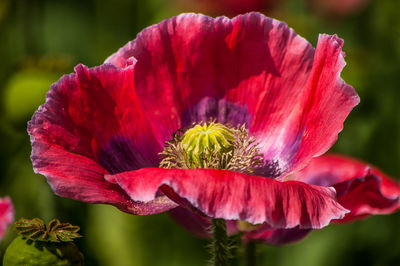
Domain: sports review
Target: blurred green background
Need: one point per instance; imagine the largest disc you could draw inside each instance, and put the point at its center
(41, 40)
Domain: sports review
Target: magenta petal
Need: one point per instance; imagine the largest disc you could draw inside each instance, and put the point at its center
(6, 215)
(197, 224)
(92, 125)
(329, 100)
(77, 177)
(191, 221)
(362, 189)
(290, 95)
(96, 113)
(197, 57)
(301, 119)
(235, 196)
(276, 236)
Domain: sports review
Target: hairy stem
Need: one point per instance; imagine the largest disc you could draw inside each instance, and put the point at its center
(220, 243)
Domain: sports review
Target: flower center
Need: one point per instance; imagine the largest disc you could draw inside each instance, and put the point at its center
(202, 141)
(212, 145)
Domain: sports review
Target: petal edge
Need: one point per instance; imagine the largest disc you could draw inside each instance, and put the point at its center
(235, 196)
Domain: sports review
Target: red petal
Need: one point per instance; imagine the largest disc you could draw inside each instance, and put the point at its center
(293, 94)
(329, 100)
(77, 177)
(191, 221)
(197, 224)
(360, 188)
(276, 236)
(301, 118)
(92, 125)
(96, 113)
(235, 196)
(6, 215)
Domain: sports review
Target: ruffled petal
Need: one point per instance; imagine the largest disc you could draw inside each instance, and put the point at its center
(201, 226)
(235, 196)
(197, 57)
(276, 236)
(92, 125)
(362, 189)
(301, 120)
(329, 100)
(95, 113)
(6, 215)
(290, 95)
(77, 177)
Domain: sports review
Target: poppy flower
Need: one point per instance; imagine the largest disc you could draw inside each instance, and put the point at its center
(209, 114)
(6, 215)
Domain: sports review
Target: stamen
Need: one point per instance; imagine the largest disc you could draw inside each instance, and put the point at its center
(213, 145)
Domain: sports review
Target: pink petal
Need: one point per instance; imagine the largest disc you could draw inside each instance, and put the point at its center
(235, 196)
(6, 215)
(362, 189)
(293, 94)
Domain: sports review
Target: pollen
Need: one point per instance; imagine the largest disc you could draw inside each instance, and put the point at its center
(212, 145)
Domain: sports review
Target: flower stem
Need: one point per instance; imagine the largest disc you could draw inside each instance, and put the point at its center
(220, 243)
(251, 254)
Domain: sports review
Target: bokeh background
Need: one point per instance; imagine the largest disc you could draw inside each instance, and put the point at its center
(42, 39)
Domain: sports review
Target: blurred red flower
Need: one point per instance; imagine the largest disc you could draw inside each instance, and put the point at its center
(226, 7)
(98, 136)
(338, 7)
(6, 215)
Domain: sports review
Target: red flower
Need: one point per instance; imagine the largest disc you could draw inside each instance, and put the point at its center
(99, 134)
(6, 215)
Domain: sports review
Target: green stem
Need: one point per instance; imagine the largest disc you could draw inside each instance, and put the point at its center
(220, 243)
(235, 242)
(251, 254)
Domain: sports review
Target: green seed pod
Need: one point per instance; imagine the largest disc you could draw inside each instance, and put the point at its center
(39, 244)
(201, 141)
(214, 146)
(27, 252)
